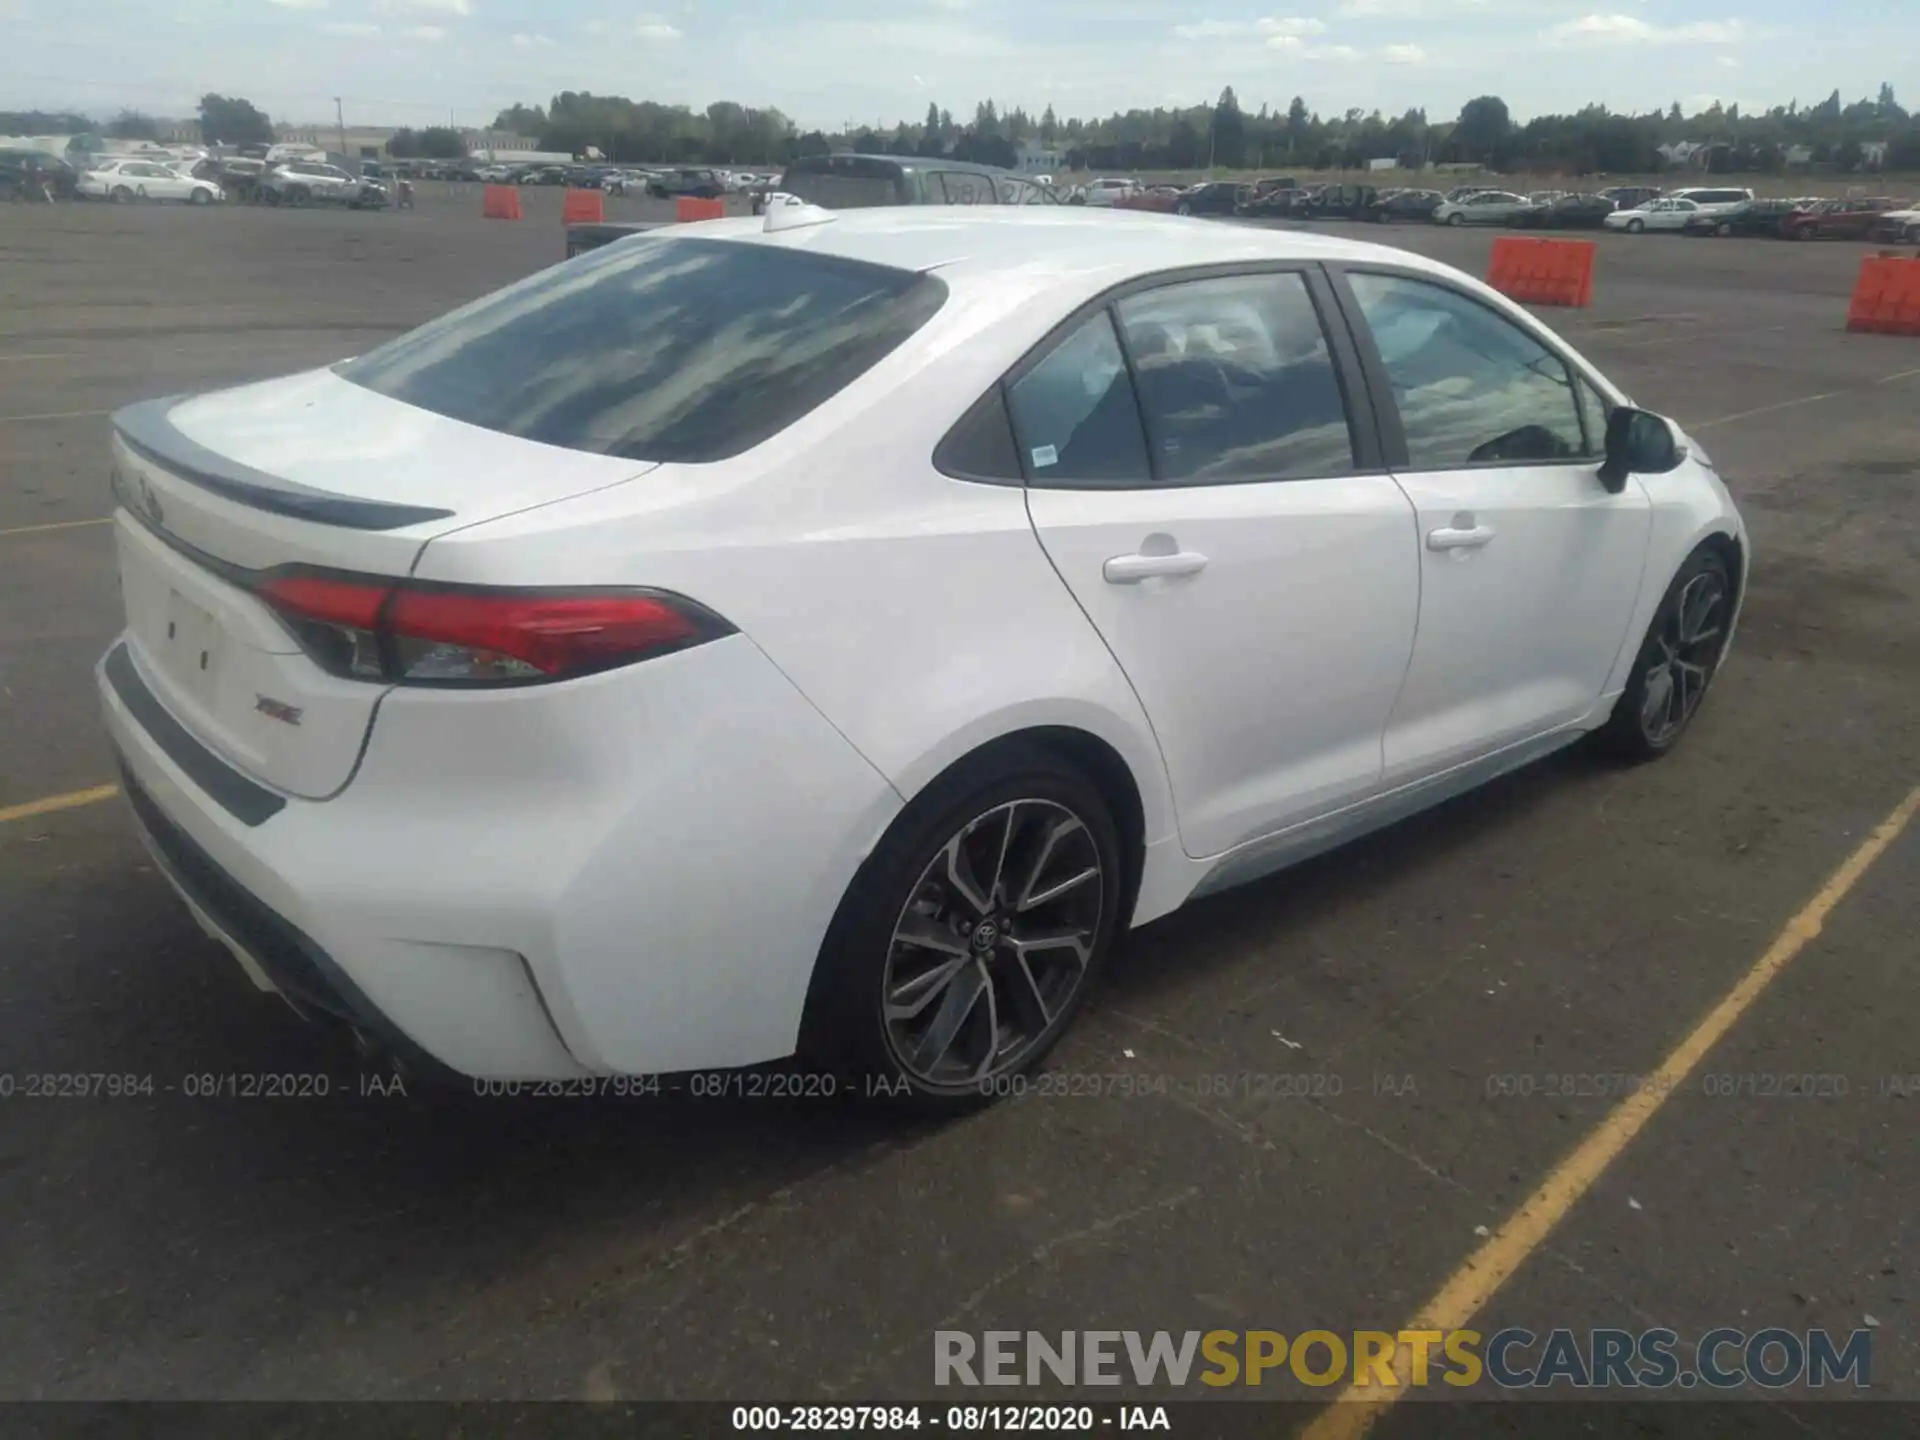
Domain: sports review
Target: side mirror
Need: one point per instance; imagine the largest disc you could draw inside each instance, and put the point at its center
(1638, 443)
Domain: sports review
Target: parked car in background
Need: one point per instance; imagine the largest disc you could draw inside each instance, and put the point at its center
(1632, 197)
(495, 174)
(1897, 227)
(1665, 214)
(308, 182)
(1851, 219)
(1275, 204)
(1485, 207)
(1338, 202)
(1757, 218)
(146, 180)
(1160, 199)
(33, 172)
(1391, 205)
(1715, 200)
(1109, 191)
(859, 182)
(1210, 197)
(1571, 212)
(1461, 192)
(239, 176)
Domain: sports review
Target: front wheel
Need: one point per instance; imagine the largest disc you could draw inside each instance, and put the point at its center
(198, 197)
(1676, 663)
(1183, 208)
(1636, 227)
(970, 936)
(1723, 229)
(121, 194)
(1456, 219)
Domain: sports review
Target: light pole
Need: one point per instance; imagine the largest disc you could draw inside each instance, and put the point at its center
(340, 119)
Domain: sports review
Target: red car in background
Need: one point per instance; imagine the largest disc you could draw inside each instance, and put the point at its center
(1165, 199)
(1838, 219)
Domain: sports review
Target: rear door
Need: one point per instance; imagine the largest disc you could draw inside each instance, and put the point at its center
(1530, 567)
(1227, 529)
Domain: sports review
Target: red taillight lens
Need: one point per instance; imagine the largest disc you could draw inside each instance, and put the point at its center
(424, 634)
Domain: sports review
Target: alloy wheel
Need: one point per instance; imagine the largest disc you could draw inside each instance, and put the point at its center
(1687, 651)
(993, 944)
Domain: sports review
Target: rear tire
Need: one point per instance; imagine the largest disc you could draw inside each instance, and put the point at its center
(198, 197)
(1676, 664)
(942, 977)
(1183, 208)
(121, 194)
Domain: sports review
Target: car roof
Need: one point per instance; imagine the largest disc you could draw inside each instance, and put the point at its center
(909, 162)
(976, 243)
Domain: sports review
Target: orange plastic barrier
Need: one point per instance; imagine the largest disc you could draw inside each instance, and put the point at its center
(689, 208)
(583, 207)
(1886, 298)
(1543, 272)
(500, 202)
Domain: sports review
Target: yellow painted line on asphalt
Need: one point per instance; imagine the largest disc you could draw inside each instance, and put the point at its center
(1476, 1282)
(53, 415)
(55, 525)
(72, 800)
(1802, 400)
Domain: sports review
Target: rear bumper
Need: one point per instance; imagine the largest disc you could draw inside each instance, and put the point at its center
(630, 873)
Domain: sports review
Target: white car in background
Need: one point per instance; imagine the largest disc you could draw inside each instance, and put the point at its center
(1715, 199)
(1484, 207)
(147, 180)
(827, 633)
(1668, 213)
(1107, 192)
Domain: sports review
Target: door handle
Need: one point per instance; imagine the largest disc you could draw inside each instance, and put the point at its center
(1454, 538)
(1132, 569)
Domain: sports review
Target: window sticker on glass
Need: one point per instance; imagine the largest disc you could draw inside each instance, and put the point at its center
(1045, 455)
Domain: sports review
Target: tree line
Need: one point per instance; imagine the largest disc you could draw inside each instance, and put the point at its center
(1224, 135)
(1227, 135)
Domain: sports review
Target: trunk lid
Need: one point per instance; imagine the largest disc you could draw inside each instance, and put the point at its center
(308, 470)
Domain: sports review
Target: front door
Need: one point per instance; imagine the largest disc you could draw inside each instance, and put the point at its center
(1259, 593)
(1530, 567)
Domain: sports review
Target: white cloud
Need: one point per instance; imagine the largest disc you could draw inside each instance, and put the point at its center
(652, 27)
(1331, 52)
(427, 32)
(1726, 62)
(1277, 27)
(349, 27)
(299, 4)
(444, 7)
(1404, 55)
(529, 42)
(1630, 29)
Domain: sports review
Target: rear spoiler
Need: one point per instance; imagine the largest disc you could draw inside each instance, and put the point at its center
(148, 430)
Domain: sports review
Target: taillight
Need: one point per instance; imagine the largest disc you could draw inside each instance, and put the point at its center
(417, 633)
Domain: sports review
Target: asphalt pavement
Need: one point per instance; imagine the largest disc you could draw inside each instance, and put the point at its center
(1469, 987)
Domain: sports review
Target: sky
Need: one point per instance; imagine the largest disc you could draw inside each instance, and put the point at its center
(830, 62)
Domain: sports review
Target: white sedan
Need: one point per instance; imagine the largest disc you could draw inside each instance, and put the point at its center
(1653, 215)
(829, 633)
(146, 180)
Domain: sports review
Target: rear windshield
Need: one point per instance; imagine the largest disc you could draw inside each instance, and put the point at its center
(843, 184)
(657, 348)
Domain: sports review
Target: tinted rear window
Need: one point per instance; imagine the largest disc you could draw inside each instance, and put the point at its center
(657, 349)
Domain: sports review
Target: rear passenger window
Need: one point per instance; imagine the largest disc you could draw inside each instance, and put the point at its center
(1236, 381)
(1074, 415)
(1472, 388)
